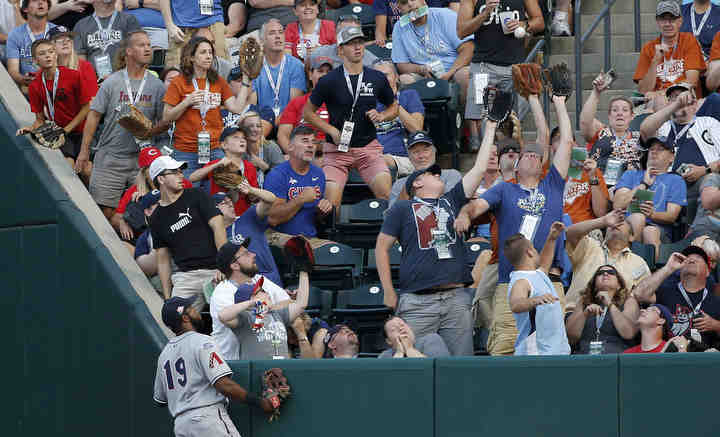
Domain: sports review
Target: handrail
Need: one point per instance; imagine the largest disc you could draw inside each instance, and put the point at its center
(542, 44)
(580, 43)
(638, 26)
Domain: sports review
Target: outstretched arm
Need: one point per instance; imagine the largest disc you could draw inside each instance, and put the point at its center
(561, 161)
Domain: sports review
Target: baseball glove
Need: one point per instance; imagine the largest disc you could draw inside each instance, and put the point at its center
(228, 176)
(49, 135)
(134, 121)
(500, 103)
(275, 390)
(558, 80)
(527, 79)
(300, 254)
(250, 58)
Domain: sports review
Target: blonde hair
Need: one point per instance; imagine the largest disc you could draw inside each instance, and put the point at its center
(511, 127)
(247, 115)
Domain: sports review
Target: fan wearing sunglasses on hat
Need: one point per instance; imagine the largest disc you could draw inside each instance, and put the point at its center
(606, 320)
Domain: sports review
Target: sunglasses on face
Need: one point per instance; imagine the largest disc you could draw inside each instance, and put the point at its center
(610, 272)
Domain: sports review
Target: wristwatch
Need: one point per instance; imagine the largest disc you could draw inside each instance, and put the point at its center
(594, 181)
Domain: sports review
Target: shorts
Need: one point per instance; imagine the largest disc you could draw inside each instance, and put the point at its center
(71, 148)
(368, 160)
(191, 283)
(498, 76)
(212, 420)
(404, 166)
(172, 57)
(111, 176)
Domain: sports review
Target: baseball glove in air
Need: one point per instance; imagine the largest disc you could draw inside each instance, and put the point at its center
(500, 103)
(558, 80)
(527, 79)
(250, 58)
(228, 176)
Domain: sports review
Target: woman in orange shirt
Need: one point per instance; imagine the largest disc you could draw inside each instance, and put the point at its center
(193, 102)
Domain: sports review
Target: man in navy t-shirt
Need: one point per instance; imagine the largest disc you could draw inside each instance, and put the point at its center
(299, 187)
(392, 134)
(351, 94)
(528, 207)
(433, 297)
(703, 20)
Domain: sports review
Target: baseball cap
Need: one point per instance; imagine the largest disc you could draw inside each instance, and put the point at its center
(317, 61)
(163, 163)
(219, 197)
(533, 148)
(150, 199)
(419, 137)
(299, 2)
(682, 85)
(507, 145)
(668, 7)
(265, 112)
(667, 316)
(58, 31)
(660, 140)
(173, 309)
(348, 34)
(226, 253)
(433, 169)
(147, 156)
(302, 129)
(228, 131)
(695, 250)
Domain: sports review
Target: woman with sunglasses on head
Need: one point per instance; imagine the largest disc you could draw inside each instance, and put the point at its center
(608, 322)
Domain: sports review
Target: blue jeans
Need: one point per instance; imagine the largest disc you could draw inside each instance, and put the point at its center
(192, 164)
(446, 313)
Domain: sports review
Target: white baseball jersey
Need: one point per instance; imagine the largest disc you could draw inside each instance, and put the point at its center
(187, 370)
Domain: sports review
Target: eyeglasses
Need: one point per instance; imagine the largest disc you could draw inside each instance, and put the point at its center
(606, 272)
(169, 172)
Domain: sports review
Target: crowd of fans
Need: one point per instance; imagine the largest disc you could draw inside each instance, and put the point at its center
(598, 244)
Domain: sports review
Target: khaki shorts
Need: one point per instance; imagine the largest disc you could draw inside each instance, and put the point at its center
(191, 283)
(172, 57)
(503, 331)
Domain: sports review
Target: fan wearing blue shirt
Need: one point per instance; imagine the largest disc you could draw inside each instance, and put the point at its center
(653, 224)
(20, 64)
(283, 76)
(299, 187)
(702, 19)
(429, 46)
(393, 134)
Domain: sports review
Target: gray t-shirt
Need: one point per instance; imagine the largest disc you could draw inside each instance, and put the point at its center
(431, 345)
(450, 176)
(259, 345)
(330, 51)
(702, 224)
(91, 41)
(115, 139)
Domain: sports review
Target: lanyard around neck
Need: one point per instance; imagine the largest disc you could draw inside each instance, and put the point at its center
(105, 33)
(32, 36)
(134, 100)
(275, 86)
(203, 106)
(706, 15)
(350, 90)
(697, 307)
(51, 102)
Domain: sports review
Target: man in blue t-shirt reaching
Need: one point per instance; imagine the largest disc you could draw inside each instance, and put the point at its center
(432, 297)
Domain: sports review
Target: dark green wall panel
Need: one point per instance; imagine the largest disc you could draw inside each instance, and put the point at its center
(11, 286)
(240, 413)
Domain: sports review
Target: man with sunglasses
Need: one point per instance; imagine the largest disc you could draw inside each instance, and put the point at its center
(696, 310)
(587, 253)
(186, 226)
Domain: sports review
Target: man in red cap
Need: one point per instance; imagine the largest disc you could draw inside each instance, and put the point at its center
(129, 202)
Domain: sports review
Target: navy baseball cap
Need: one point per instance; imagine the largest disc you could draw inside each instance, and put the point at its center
(667, 316)
(150, 199)
(265, 112)
(58, 31)
(302, 129)
(226, 254)
(434, 169)
(695, 250)
(660, 140)
(219, 197)
(173, 310)
(228, 131)
(419, 137)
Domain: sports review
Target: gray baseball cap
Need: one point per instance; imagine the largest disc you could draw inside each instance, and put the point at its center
(668, 7)
(348, 34)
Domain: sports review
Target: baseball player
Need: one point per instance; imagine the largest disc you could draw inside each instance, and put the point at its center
(193, 380)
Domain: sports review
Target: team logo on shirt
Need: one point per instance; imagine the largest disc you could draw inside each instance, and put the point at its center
(707, 137)
(294, 192)
(683, 320)
(101, 39)
(215, 358)
(293, 181)
(426, 221)
(366, 89)
(495, 15)
(575, 190)
(533, 203)
(670, 71)
(184, 220)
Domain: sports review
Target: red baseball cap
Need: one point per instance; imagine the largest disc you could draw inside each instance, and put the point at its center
(148, 155)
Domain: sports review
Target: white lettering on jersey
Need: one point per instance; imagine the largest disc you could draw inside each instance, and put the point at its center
(185, 219)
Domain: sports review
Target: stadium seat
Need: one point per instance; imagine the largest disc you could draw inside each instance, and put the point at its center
(646, 251)
(363, 307)
(359, 224)
(371, 272)
(380, 52)
(442, 120)
(667, 249)
(157, 64)
(355, 188)
(336, 266)
(319, 303)
(637, 121)
(364, 12)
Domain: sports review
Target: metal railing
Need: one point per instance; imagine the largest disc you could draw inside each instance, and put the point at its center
(638, 26)
(580, 40)
(544, 45)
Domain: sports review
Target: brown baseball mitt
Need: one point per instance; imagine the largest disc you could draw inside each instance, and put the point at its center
(49, 135)
(250, 58)
(275, 389)
(228, 176)
(527, 79)
(132, 119)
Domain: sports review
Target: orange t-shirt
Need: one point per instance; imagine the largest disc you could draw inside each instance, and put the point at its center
(715, 48)
(577, 198)
(685, 57)
(190, 122)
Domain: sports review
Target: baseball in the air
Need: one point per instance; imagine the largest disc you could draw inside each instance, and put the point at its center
(520, 32)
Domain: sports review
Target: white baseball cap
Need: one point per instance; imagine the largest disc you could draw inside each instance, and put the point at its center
(164, 163)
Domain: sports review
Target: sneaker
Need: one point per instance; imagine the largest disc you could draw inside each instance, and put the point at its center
(560, 28)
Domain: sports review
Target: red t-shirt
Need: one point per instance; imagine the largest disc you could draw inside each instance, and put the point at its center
(293, 114)
(638, 349)
(325, 37)
(89, 77)
(127, 196)
(250, 174)
(69, 98)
